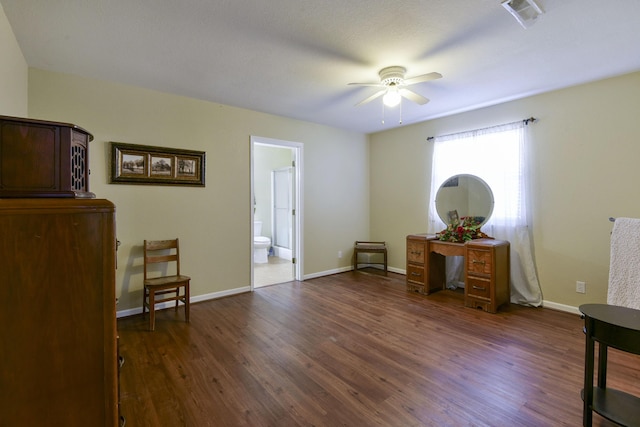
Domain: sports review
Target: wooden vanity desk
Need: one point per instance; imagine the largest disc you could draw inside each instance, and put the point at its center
(486, 269)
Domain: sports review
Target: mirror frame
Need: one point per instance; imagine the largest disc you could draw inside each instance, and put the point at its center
(480, 181)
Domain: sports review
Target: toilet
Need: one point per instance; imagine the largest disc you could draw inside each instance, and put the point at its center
(261, 244)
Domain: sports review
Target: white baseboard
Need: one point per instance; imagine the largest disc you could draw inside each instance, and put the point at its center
(132, 311)
(198, 298)
(350, 268)
(327, 273)
(560, 307)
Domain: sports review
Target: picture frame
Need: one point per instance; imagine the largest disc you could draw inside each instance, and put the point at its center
(453, 217)
(151, 165)
(451, 182)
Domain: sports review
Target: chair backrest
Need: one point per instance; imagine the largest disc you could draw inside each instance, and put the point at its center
(367, 243)
(161, 251)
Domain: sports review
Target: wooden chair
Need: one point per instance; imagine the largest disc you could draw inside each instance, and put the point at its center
(370, 248)
(165, 252)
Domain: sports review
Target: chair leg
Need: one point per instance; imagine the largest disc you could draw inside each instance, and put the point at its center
(144, 300)
(187, 303)
(385, 262)
(152, 310)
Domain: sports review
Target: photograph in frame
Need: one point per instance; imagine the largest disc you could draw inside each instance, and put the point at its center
(161, 166)
(187, 166)
(133, 164)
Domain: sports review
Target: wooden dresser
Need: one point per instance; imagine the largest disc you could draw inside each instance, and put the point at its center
(57, 311)
(487, 268)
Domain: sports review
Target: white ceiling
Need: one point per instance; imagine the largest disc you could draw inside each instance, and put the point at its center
(294, 58)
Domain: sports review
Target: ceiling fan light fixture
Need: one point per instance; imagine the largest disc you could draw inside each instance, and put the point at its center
(392, 75)
(392, 97)
(525, 11)
(393, 87)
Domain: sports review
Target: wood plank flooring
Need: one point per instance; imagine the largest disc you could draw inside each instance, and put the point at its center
(356, 349)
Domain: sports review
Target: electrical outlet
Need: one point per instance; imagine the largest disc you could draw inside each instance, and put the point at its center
(339, 254)
(581, 287)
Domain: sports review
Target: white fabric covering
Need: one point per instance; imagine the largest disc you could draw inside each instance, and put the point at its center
(624, 267)
(483, 153)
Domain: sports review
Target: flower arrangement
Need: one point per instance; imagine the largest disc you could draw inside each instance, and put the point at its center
(463, 230)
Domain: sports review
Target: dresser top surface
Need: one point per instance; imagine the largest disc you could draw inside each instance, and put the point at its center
(13, 205)
(476, 242)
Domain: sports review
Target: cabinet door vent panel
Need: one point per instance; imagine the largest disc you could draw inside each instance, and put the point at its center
(78, 167)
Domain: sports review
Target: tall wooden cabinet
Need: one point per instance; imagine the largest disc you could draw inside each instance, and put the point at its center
(58, 364)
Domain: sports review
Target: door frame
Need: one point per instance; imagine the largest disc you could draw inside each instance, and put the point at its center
(297, 150)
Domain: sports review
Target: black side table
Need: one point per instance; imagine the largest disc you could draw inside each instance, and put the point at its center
(617, 327)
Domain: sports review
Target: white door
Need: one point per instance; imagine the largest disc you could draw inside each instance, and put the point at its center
(282, 191)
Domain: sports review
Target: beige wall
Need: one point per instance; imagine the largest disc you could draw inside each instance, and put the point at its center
(584, 159)
(13, 72)
(213, 223)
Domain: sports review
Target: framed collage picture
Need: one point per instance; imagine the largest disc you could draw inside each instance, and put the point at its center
(145, 164)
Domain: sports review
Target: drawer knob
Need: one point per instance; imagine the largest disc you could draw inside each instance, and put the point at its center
(478, 261)
(415, 274)
(479, 288)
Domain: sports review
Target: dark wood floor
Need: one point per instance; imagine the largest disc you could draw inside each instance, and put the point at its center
(356, 349)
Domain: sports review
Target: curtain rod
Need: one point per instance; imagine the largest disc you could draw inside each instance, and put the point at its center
(525, 121)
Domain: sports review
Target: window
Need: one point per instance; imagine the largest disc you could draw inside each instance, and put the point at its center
(497, 155)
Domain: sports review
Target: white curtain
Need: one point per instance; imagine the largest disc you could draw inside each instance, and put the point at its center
(496, 155)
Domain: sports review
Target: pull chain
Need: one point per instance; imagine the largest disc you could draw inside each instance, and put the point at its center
(383, 111)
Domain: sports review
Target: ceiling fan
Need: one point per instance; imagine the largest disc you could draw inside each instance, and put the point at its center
(394, 86)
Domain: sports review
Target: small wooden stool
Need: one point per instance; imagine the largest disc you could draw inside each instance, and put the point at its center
(369, 248)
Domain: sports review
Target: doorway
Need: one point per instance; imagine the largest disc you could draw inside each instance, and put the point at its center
(276, 215)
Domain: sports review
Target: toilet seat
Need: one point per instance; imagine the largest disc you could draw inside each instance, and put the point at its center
(261, 244)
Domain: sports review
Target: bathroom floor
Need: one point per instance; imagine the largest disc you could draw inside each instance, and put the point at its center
(278, 270)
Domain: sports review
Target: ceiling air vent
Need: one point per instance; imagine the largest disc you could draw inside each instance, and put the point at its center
(525, 11)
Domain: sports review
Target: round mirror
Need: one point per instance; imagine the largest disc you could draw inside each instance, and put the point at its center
(464, 196)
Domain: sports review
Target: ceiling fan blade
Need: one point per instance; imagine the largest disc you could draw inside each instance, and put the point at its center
(366, 84)
(422, 78)
(372, 97)
(412, 96)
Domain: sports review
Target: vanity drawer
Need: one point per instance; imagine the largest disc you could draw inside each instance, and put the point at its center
(414, 287)
(415, 273)
(480, 303)
(478, 287)
(415, 251)
(479, 261)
